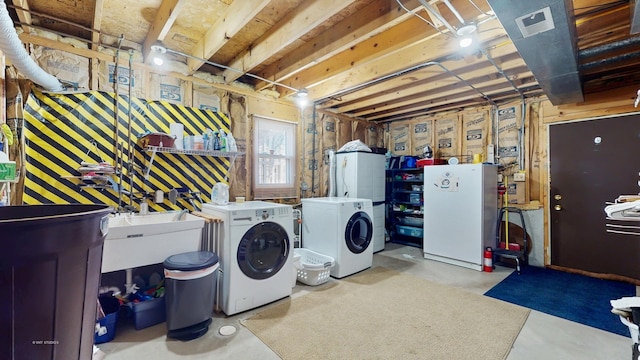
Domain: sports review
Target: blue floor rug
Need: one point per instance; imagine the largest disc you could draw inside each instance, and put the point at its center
(573, 297)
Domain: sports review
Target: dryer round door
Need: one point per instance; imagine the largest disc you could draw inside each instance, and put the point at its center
(358, 232)
(263, 250)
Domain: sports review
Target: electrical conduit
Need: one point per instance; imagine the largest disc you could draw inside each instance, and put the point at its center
(13, 49)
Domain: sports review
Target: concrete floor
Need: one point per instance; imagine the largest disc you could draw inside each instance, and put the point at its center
(543, 336)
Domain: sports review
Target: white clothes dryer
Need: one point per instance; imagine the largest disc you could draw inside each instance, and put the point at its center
(255, 254)
(341, 228)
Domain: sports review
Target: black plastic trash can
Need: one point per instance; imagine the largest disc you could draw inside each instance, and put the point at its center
(49, 274)
(190, 289)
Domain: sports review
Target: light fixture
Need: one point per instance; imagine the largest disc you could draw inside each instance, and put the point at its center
(302, 97)
(465, 34)
(158, 50)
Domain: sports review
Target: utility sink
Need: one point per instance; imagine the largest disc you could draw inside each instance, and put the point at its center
(138, 240)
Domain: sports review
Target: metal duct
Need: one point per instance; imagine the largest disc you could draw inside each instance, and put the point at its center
(602, 49)
(544, 33)
(635, 18)
(609, 61)
(13, 49)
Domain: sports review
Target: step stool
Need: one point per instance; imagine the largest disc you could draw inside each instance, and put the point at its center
(517, 255)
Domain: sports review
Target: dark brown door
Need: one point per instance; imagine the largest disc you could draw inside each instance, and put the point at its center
(593, 162)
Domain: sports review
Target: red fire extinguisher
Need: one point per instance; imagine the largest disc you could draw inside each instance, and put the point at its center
(488, 259)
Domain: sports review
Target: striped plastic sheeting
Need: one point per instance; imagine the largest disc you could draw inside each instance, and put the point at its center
(61, 131)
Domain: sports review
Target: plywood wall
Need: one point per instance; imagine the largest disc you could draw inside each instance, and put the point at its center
(324, 132)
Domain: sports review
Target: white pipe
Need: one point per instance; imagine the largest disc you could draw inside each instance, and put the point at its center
(332, 173)
(433, 11)
(13, 49)
(454, 11)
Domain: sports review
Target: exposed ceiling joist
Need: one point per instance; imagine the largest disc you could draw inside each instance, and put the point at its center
(96, 24)
(165, 17)
(428, 77)
(376, 18)
(237, 16)
(23, 13)
(299, 22)
(364, 59)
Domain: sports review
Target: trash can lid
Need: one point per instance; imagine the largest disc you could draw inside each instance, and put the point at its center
(194, 260)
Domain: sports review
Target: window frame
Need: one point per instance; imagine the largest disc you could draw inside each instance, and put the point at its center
(289, 188)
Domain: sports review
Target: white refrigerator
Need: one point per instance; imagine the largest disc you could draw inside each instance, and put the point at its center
(460, 212)
(361, 174)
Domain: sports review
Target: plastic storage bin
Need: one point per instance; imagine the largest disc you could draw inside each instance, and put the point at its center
(148, 313)
(106, 329)
(409, 231)
(412, 221)
(190, 289)
(315, 268)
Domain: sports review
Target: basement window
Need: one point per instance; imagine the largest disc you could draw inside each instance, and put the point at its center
(274, 166)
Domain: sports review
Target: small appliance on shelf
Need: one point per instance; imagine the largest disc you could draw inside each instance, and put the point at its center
(157, 139)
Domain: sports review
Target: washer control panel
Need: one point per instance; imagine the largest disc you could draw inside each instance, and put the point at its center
(264, 214)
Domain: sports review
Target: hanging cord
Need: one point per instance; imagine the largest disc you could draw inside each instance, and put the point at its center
(118, 148)
(130, 151)
(344, 182)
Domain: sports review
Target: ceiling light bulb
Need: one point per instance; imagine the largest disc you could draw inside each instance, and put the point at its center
(157, 49)
(302, 97)
(465, 41)
(157, 60)
(465, 35)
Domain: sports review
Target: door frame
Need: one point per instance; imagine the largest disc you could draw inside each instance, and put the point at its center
(546, 175)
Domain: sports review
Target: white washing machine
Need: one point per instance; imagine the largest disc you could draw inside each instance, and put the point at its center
(255, 254)
(341, 228)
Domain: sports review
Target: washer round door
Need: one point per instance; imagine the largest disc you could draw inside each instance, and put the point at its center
(358, 232)
(263, 250)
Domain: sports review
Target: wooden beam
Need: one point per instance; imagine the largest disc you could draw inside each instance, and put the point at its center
(381, 55)
(237, 16)
(429, 77)
(448, 95)
(426, 89)
(165, 17)
(96, 25)
(375, 18)
(37, 40)
(23, 15)
(296, 24)
(341, 71)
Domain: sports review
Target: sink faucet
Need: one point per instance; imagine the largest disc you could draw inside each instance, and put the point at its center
(180, 215)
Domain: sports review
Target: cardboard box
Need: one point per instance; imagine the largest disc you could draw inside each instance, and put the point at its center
(8, 171)
(516, 192)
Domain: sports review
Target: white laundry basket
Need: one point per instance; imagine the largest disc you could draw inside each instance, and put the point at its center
(314, 268)
(633, 329)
